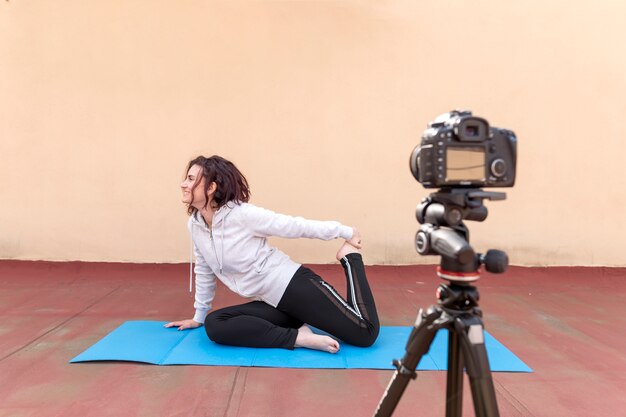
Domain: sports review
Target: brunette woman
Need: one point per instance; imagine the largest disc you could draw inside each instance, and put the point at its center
(230, 244)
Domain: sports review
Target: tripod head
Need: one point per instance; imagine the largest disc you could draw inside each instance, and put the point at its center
(442, 232)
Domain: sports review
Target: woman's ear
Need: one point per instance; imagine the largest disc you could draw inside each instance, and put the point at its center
(212, 188)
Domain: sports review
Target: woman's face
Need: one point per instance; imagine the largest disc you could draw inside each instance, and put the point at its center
(194, 178)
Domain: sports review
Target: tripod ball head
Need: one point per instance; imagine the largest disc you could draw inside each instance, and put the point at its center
(432, 240)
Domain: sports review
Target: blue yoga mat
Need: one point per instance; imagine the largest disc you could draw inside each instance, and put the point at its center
(150, 342)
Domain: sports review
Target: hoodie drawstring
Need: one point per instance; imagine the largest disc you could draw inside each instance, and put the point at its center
(222, 263)
(190, 263)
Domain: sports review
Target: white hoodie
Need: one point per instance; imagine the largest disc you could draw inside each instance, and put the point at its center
(236, 251)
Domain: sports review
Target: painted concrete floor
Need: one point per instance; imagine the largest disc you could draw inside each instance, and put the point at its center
(568, 324)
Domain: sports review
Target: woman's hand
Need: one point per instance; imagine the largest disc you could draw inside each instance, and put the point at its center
(184, 324)
(355, 240)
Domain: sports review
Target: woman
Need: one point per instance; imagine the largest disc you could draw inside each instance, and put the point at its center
(229, 237)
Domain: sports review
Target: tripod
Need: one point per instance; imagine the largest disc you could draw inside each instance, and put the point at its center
(457, 309)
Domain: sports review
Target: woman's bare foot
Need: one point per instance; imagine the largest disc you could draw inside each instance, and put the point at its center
(346, 249)
(306, 338)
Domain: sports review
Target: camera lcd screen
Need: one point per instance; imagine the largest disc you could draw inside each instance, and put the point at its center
(465, 164)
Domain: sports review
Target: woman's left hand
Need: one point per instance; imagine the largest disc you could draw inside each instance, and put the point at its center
(184, 324)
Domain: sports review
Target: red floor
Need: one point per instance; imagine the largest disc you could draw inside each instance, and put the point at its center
(568, 324)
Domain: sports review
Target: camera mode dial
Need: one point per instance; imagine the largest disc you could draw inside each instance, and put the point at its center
(498, 167)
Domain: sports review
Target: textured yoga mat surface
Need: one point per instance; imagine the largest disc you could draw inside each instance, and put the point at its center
(150, 342)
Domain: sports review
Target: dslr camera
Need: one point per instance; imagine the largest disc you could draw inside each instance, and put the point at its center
(459, 150)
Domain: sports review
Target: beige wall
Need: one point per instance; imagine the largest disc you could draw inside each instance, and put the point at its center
(320, 104)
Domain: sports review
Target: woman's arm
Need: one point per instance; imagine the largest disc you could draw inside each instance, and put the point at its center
(265, 223)
(205, 287)
(205, 292)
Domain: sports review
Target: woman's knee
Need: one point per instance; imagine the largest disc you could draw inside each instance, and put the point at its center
(215, 327)
(367, 337)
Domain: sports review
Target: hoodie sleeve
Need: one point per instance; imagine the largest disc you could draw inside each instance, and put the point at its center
(205, 287)
(205, 283)
(265, 223)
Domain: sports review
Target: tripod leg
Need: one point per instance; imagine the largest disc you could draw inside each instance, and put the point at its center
(419, 343)
(454, 387)
(472, 338)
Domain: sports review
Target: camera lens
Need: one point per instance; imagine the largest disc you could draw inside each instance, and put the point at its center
(414, 162)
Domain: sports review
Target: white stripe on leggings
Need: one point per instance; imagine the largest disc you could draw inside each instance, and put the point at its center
(341, 300)
(354, 310)
(352, 292)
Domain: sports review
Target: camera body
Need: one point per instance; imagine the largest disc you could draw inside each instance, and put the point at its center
(462, 151)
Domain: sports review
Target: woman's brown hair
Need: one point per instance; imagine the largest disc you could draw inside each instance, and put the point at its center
(231, 183)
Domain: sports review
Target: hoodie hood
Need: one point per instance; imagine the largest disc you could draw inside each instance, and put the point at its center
(218, 217)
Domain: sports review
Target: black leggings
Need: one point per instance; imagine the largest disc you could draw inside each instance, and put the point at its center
(307, 299)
